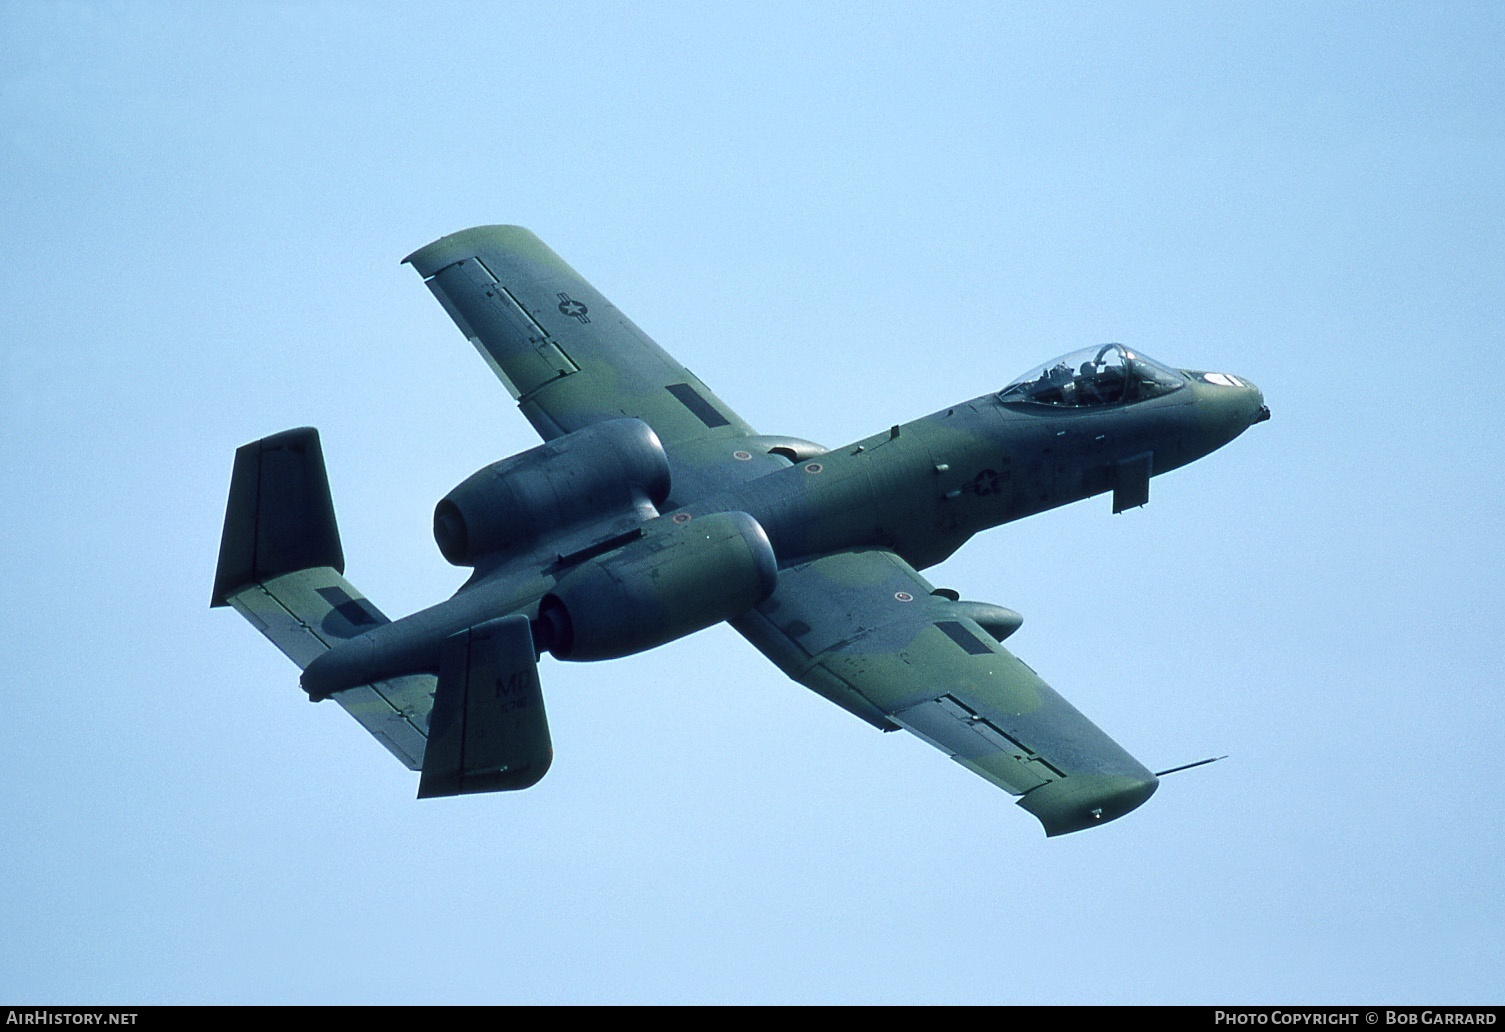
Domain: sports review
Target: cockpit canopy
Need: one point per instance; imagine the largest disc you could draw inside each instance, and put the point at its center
(1107, 375)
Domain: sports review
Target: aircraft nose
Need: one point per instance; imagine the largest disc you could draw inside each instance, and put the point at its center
(1227, 406)
(1254, 398)
(1262, 412)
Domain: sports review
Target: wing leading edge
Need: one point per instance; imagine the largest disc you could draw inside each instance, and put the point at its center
(863, 629)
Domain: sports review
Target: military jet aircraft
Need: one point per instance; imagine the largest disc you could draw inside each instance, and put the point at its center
(653, 511)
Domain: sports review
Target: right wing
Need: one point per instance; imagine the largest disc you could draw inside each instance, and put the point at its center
(566, 353)
(863, 629)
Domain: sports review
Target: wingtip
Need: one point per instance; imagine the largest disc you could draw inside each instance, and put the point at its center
(435, 255)
(1081, 802)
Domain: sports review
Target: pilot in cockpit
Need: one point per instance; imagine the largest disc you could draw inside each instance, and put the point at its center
(1106, 375)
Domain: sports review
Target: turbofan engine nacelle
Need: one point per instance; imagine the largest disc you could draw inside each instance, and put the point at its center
(607, 469)
(677, 579)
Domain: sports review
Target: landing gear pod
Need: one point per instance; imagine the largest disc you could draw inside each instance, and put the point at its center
(678, 579)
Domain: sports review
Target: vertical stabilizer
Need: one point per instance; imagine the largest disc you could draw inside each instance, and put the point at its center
(280, 517)
(489, 730)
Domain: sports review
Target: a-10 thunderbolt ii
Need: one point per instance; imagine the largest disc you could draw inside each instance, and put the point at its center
(653, 510)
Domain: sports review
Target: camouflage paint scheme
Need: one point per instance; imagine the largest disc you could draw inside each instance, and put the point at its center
(827, 545)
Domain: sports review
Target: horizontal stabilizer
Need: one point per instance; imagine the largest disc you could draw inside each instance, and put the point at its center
(280, 566)
(489, 732)
(308, 612)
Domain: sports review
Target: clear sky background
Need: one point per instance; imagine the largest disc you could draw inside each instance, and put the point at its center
(841, 216)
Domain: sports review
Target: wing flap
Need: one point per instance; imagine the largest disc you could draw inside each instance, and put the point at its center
(516, 346)
(977, 743)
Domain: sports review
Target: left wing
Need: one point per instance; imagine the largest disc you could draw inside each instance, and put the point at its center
(566, 353)
(863, 629)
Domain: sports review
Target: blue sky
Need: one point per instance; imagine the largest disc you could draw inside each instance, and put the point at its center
(840, 216)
